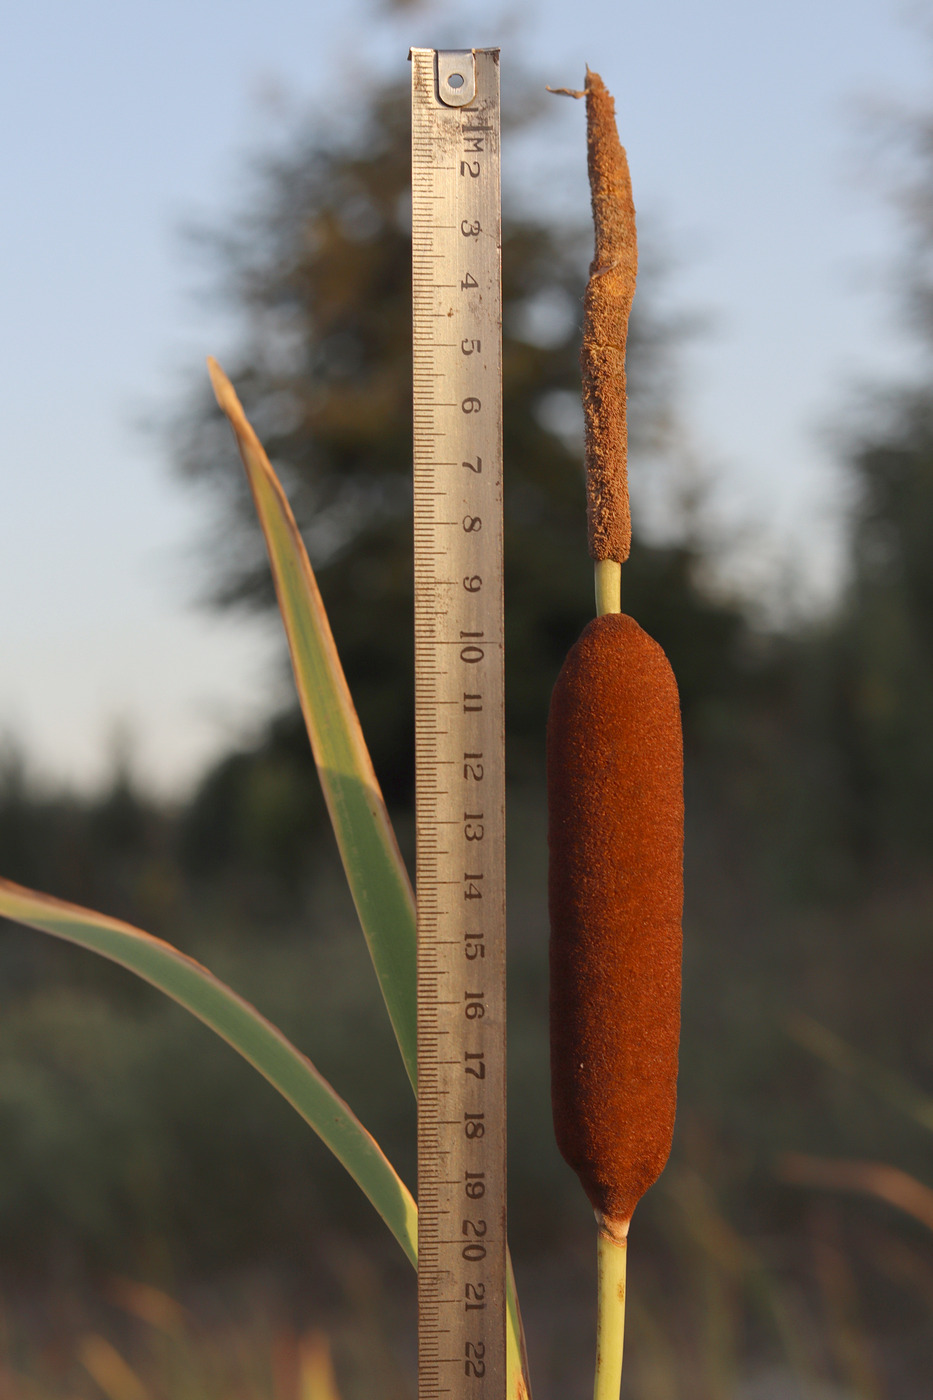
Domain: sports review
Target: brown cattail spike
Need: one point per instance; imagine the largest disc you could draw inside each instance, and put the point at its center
(606, 308)
(615, 886)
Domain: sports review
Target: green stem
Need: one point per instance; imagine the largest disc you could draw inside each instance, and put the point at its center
(608, 579)
(518, 1381)
(611, 1255)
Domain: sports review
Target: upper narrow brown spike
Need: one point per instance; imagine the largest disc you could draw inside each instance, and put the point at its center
(606, 308)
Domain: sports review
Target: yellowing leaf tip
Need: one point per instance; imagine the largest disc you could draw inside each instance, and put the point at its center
(223, 389)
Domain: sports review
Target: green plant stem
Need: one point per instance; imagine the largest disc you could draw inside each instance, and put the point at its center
(517, 1376)
(608, 579)
(611, 1258)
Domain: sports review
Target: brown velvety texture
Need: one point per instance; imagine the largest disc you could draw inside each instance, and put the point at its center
(615, 887)
(606, 308)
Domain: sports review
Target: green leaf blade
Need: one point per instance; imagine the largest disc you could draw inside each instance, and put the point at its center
(373, 864)
(374, 867)
(244, 1028)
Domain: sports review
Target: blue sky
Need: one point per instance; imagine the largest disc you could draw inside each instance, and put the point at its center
(120, 121)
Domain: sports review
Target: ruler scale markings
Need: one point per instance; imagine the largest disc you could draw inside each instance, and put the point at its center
(459, 725)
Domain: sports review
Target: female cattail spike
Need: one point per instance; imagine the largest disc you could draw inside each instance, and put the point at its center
(615, 811)
(615, 887)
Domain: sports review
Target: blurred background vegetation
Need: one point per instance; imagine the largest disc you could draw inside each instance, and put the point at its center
(142, 1166)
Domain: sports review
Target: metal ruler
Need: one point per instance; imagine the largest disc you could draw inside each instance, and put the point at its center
(459, 724)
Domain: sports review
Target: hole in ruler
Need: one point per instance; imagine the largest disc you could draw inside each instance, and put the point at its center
(456, 77)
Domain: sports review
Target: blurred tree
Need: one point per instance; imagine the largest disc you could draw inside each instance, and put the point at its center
(882, 679)
(882, 688)
(320, 280)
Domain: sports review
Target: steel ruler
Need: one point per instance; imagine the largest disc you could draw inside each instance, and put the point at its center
(459, 724)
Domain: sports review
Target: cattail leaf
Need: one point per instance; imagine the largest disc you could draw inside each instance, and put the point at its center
(371, 858)
(373, 863)
(265, 1047)
(243, 1027)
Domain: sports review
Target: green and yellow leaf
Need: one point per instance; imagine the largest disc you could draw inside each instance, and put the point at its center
(243, 1027)
(373, 863)
(371, 858)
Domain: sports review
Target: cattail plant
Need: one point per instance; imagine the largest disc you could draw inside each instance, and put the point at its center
(615, 832)
(615, 809)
